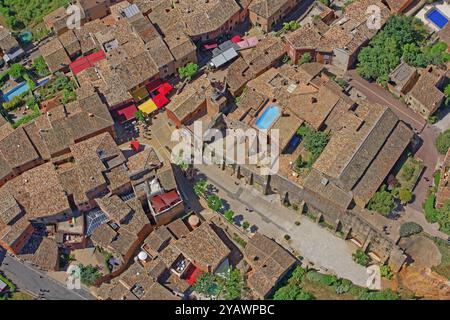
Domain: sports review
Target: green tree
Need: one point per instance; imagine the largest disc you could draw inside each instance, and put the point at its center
(443, 142)
(405, 195)
(385, 272)
(382, 202)
(188, 71)
(314, 142)
(245, 225)
(139, 115)
(40, 66)
(401, 36)
(17, 71)
(305, 58)
(68, 96)
(200, 188)
(207, 285)
(233, 285)
(289, 292)
(89, 274)
(214, 203)
(229, 214)
(360, 257)
(410, 228)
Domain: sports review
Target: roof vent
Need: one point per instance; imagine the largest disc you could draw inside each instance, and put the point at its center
(90, 114)
(324, 181)
(313, 100)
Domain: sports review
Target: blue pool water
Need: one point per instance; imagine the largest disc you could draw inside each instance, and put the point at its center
(437, 18)
(16, 91)
(266, 119)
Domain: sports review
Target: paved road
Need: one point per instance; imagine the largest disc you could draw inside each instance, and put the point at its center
(26, 277)
(316, 244)
(377, 94)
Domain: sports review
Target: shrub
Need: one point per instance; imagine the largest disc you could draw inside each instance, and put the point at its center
(360, 257)
(443, 142)
(287, 237)
(245, 225)
(428, 206)
(342, 288)
(328, 279)
(386, 272)
(314, 276)
(297, 223)
(188, 71)
(410, 228)
(297, 275)
(405, 195)
(229, 214)
(379, 295)
(305, 58)
(89, 274)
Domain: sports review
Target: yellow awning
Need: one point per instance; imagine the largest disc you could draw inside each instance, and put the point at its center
(148, 107)
(140, 94)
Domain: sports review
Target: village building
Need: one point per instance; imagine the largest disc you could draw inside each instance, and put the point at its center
(339, 43)
(201, 21)
(426, 96)
(269, 264)
(402, 79)
(55, 56)
(56, 21)
(266, 14)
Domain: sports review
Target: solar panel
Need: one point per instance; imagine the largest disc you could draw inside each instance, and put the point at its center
(95, 219)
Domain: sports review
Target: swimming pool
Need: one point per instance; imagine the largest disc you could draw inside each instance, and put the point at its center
(16, 91)
(437, 18)
(266, 119)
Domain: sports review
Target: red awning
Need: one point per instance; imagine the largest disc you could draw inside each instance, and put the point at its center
(158, 204)
(210, 46)
(135, 145)
(165, 88)
(170, 198)
(86, 62)
(153, 85)
(127, 113)
(160, 100)
(236, 39)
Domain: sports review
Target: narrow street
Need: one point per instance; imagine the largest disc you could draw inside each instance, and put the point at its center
(25, 276)
(377, 94)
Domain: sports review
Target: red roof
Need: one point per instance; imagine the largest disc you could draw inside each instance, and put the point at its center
(236, 39)
(160, 100)
(165, 88)
(135, 145)
(127, 113)
(86, 62)
(158, 204)
(193, 275)
(171, 197)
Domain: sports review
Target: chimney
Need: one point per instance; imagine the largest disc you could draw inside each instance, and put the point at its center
(313, 100)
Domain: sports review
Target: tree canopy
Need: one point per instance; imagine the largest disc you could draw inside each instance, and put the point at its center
(402, 36)
(188, 71)
(382, 202)
(19, 14)
(443, 142)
